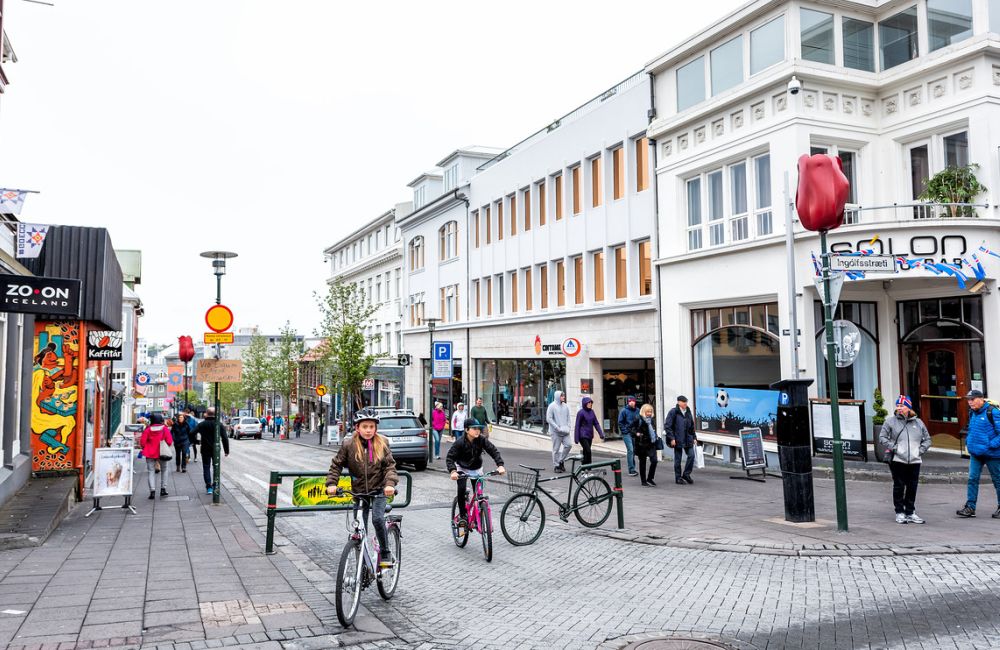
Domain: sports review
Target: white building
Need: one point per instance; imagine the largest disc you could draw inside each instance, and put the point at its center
(899, 90)
(550, 287)
(371, 257)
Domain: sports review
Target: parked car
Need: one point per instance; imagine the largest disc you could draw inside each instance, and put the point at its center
(246, 427)
(407, 437)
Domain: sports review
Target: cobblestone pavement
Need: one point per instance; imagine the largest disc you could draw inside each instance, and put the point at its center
(577, 590)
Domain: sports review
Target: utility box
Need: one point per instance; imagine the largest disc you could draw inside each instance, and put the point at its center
(795, 449)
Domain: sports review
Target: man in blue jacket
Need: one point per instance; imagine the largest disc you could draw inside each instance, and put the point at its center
(628, 422)
(983, 445)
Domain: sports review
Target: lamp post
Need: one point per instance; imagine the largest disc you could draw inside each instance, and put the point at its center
(219, 269)
(431, 322)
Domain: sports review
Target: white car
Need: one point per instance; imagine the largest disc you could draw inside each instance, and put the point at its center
(246, 427)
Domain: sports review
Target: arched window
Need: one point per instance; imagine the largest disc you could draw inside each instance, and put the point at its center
(416, 253)
(448, 241)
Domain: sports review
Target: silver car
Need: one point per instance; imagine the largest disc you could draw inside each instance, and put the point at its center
(407, 437)
(249, 427)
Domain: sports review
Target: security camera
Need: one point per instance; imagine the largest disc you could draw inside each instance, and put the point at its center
(794, 85)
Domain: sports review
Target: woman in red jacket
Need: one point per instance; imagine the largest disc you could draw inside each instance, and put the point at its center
(150, 443)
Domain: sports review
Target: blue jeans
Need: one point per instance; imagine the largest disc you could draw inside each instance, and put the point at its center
(436, 435)
(629, 451)
(206, 468)
(975, 471)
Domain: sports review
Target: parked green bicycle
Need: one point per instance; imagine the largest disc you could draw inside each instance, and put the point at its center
(523, 517)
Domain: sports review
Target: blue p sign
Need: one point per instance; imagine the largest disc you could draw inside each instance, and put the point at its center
(442, 351)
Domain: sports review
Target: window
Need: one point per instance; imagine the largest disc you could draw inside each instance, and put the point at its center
(848, 162)
(725, 215)
(577, 191)
(995, 16)
(739, 227)
(512, 205)
(448, 241)
(694, 213)
(767, 45)
(560, 283)
(920, 171)
(378, 289)
(489, 296)
(948, 22)
(621, 274)
(558, 189)
(641, 164)
(527, 210)
(475, 220)
(727, 65)
(817, 35)
(399, 282)
(578, 279)
(543, 281)
(541, 203)
(416, 313)
(500, 220)
(645, 269)
(479, 298)
(691, 84)
(451, 178)
(595, 182)
(416, 253)
(449, 304)
(489, 225)
(618, 172)
(898, 38)
(418, 197)
(500, 288)
(762, 195)
(598, 259)
(528, 290)
(513, 292)
(859, 45)
(956, 150)
(716, 229)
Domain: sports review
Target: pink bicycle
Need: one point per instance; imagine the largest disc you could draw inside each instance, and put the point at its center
(478, 514)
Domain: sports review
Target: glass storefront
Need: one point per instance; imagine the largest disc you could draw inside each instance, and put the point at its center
(447, 391)
(516, 392)
(859, 380)
(621, 378)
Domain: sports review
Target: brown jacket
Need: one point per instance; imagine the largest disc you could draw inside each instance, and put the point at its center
(366, 476)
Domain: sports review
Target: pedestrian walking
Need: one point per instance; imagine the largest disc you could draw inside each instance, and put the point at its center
(678, 429)
(150, 440)
(297, 423)
(192, 423)
(583, 430)
(983, 445)
(904, 439)
(439, 419)
(458, 419)
(206, 435)
(270, 425)
(647, 444)
(279, 422)
(628, 422)
(557, 417)
(479, 414)
(182, 441)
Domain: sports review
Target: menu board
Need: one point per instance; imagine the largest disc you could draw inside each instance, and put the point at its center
(752, 443)
(852, 430)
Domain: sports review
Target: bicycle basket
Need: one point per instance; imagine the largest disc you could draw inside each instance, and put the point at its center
(521, 481)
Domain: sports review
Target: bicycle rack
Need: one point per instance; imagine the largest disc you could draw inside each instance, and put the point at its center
(273, 510)
(616, 466)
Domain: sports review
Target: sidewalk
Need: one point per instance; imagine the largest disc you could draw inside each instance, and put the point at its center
(182, 574)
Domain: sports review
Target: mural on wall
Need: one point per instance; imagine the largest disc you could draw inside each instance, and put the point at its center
(55, 395)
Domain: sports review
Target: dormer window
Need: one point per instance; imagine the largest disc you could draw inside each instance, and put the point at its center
(419, 197)
(451, 178)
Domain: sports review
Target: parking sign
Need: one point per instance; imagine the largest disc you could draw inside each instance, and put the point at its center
(442, 360)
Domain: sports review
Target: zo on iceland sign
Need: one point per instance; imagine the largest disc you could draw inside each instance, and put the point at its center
(35, 295)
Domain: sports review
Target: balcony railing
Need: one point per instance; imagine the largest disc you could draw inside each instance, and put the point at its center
(859, 214)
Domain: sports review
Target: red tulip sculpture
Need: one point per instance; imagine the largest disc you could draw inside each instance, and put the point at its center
(185, 348)
(822, 192)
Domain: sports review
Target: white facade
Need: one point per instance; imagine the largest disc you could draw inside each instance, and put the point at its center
(899, 91)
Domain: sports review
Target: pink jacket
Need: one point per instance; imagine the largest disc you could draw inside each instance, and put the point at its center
(438, 419)
(150, 440)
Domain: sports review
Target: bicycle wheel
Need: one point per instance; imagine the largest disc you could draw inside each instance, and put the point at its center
(389, 578)
(349, 583)
(463, 539)
(522, 519)
(592, 502)
(486, 530)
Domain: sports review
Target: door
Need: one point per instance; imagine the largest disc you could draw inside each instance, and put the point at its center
(944, 380)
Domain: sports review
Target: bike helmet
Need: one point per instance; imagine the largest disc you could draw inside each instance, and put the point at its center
(365, 414)
(473, 423)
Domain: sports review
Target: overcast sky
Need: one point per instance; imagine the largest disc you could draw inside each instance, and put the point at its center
(273, 129)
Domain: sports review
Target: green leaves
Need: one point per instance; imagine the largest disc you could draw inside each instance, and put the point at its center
(954, 185)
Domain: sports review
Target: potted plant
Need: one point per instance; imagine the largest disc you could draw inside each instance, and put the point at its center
(878, 419)
(954, 185)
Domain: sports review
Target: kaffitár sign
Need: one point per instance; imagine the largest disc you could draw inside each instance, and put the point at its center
(35, 295)
(104, 345)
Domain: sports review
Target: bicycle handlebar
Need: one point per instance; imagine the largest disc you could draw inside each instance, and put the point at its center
(462, 474)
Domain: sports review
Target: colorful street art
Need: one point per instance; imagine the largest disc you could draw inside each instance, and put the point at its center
(55, 396)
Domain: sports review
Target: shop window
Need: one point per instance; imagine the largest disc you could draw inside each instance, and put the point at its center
(727, 65)
(817, 35)
(767, 45)
(948, 22)
(516, 392)
(898, 38)
(859, 380)
(691, 84)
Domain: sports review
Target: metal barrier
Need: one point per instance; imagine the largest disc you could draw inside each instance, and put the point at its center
(619, 495)
(272, 500)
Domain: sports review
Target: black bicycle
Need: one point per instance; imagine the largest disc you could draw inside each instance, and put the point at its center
(359, 561)
(523, 517)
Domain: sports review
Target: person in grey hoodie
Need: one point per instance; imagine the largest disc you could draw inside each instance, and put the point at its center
(905, 439)
(557, 416)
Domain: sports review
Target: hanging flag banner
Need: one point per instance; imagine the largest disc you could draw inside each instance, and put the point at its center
(11, 201)
(30, 238)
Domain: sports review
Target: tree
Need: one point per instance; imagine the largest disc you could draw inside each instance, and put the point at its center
(256, 374)
(231, 396)
(284, 364)
(188, 398)
(346, 316)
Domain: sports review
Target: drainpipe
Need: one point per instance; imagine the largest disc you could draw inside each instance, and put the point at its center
(467, 372)
(651, 115)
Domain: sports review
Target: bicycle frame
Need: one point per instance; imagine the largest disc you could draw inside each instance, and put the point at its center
(564, 508)
(475, 496)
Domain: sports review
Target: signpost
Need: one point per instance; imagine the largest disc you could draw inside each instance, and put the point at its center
(443, 363)
(219, 318)
(865, 263)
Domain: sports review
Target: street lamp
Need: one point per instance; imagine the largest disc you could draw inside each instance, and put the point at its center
(219, 269)
(431, 322)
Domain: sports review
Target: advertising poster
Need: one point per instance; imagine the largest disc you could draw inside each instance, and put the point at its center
(852, 429)
(55, 391)
(719, 409)
(112, 471)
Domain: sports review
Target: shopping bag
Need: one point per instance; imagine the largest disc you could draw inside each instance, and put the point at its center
(166, 451)
(699, 457)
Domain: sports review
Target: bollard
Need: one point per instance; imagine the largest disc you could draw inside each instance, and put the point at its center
(272, 504)
(619, 493)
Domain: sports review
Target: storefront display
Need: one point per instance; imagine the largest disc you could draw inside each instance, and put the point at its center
(859, 380)
(622, 378)
(516, 392)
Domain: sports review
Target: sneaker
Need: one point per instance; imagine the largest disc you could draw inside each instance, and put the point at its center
(562, 467)
(679, 481)
(152, 494)
(650, 481)
(688, 480)
(901, 518)
(967, 512)
(996, 515)
(208, 490)
(915, 519)
(633, 473)
(163, 492)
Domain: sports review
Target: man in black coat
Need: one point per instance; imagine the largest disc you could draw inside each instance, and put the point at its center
(678, 428)
(205, 431)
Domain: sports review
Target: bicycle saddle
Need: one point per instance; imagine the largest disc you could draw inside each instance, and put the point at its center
(575, 457)
(533, 469)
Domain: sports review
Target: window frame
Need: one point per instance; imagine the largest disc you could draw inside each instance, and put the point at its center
(641, 147)
(526, 207)
(712, 221)
(416, 253)
(597, 260)
(596, 181)
(645, 267)
(557, 190)
(540, 188)
(621, 272)
(576, 172)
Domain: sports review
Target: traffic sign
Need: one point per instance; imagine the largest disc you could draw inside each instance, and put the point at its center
(219, 318)
(218, 337)
(368, 384)
(442, 360)
(402, 359)
(865, 263)
(321, 390)
(836, 284)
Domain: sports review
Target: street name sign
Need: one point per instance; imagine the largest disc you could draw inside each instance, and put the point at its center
(218, 337)
(865, 263)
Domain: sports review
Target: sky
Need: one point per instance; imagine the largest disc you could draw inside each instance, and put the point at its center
(274, 129)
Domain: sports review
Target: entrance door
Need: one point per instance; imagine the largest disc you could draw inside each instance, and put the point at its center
(944, 380)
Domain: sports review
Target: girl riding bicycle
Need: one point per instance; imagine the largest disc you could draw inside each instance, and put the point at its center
(372, 468)
(466, 455)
